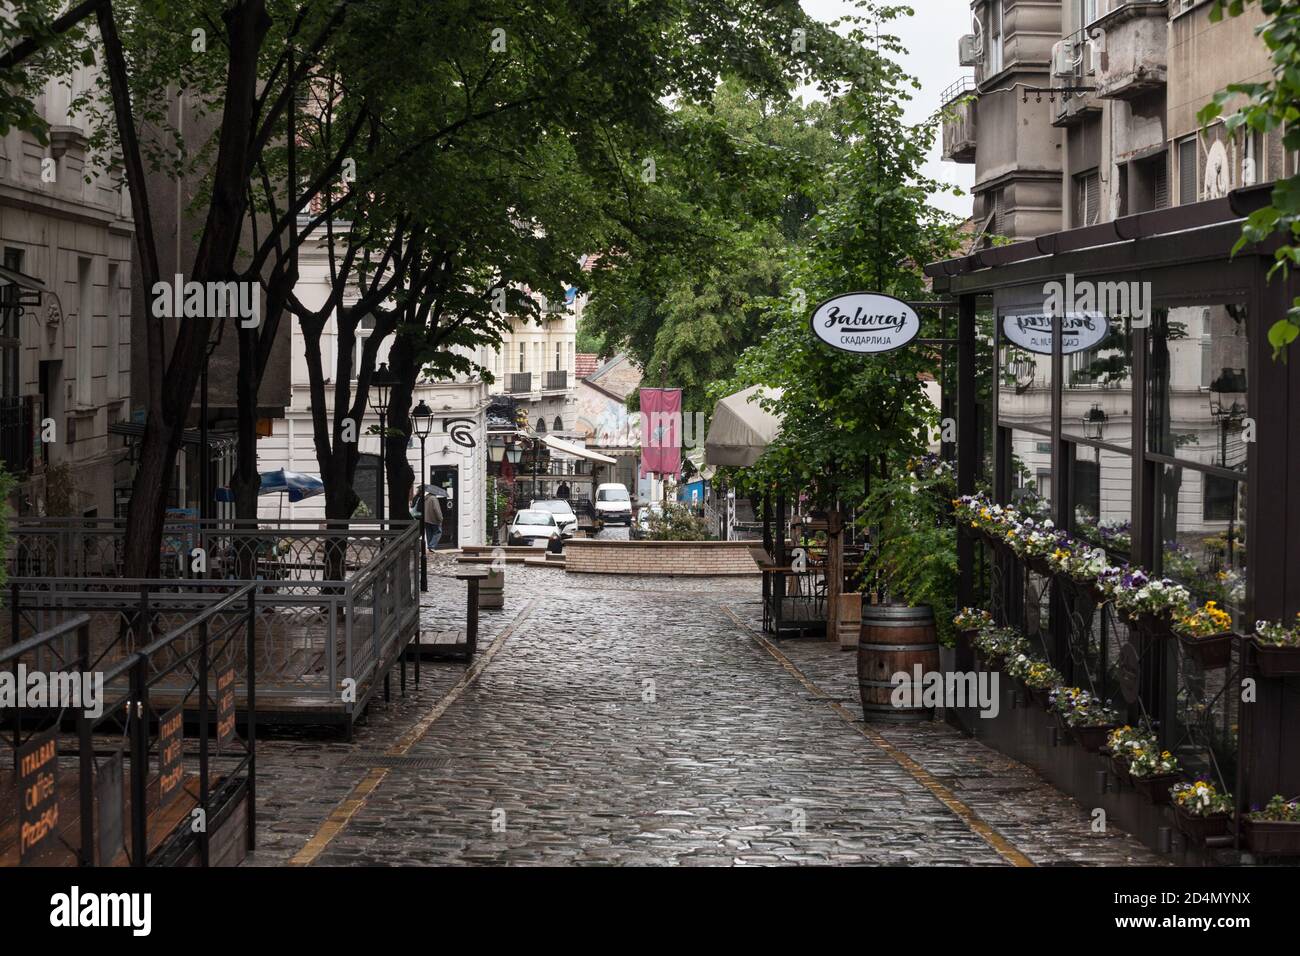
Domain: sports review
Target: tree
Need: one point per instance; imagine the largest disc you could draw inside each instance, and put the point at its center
(1264, 107)
(744, 177)
(842, 412)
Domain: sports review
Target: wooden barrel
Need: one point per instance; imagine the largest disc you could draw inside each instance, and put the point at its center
(894, 638)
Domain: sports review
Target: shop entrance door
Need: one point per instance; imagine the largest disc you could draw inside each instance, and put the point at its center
(447, 477)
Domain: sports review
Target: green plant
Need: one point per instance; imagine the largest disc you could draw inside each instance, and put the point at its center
(914, 551)
(1278, 810)
(1200, 799)
(676, 522)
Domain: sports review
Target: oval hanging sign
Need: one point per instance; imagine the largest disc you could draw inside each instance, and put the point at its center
(1033, 331)
(865, 322)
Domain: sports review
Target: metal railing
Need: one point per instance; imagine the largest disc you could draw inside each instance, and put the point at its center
(186, 670)
(324, 644)
(558, 379)
(16, 434)
(517, 382)
(962, 87)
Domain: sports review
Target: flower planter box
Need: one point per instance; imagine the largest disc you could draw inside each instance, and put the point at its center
(1198, 828)
(1277, 661)
(1156, 788)
(1119, 767)
(1271, 838)
(1210, 652)
(1152, 625)
(1038, 696)
(1092, 739)
(1039, 565)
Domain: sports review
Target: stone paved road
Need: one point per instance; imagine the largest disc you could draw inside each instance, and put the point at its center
(639, 721)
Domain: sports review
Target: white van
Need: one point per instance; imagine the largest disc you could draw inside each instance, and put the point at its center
(614, 504)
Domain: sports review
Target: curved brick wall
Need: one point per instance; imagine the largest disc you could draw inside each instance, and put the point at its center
(590, 556)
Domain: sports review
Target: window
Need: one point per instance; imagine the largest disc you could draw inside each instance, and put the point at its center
(994, 58)
(523, 356)
(1087, 10)
(559, 361)
(1187, 162)
(559, 424)
(84, 387)
(1148, 185)
(113, 321)
(1220, 498)
(1087, 198)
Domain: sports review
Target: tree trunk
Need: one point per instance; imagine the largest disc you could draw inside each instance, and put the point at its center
(402, 363)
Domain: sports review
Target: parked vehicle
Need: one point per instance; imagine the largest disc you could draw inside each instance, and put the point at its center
(563, 511)
(533, 528)
(614, 504)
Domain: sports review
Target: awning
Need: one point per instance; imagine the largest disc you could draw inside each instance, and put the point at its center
(23, 280)
(741, 428)
(577, 451)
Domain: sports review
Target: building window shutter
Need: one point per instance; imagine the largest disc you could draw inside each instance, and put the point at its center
(1160, 191)
(1187, 157)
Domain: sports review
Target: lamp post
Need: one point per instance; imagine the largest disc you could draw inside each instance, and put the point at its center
(422, 424)
(496, 449)
(381, 385)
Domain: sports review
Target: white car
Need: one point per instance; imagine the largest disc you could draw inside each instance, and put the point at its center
(646, 513)
(563, 511)
(614, 504)
(533, 528)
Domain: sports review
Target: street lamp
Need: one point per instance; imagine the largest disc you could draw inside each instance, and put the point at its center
(1094, 423)
(381, 386)
(422, 424)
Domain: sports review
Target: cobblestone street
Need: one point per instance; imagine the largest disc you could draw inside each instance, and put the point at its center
(644, 721)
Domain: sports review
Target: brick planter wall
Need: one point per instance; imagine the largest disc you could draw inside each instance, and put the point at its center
(590, 556)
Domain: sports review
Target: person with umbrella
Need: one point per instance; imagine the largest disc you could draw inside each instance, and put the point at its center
(432, 518)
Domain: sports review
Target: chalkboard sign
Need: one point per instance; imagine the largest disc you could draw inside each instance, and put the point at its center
(38, 796)
(225, 708)
(108, 798)
(171, 749)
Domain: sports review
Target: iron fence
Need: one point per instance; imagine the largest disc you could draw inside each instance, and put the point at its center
(185, 670)
(336, 609)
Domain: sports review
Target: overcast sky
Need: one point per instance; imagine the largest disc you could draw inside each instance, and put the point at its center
(931, 40)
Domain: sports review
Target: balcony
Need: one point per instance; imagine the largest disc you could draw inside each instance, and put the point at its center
(557, 380)
(1133, 38)
(958, 103)
(519, 383)
(1074, 65)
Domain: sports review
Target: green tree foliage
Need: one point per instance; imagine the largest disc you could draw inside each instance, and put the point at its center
(840, 410)
(742, 175)
(1264, 107)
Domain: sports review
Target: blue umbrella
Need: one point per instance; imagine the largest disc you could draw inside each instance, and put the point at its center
(295, 484)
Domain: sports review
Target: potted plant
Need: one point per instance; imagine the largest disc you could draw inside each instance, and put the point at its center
(1277, 648)
(994, 645)
(1200, 811)
(1153, 770)
(1206, 635)
(1274, 830)
(1041, 678)
(1085, 716)
(1120, 745)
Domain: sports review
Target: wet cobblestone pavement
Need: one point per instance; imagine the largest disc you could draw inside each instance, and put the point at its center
(637, 721)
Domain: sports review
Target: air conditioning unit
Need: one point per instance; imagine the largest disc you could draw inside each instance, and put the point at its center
(1063, 58)
(970, 51)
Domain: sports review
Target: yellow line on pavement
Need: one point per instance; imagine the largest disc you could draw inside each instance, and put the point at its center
(977, 825)
(342, 815)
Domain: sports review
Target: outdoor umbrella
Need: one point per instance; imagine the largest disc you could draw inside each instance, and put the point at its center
(741, 428)
(293, 483)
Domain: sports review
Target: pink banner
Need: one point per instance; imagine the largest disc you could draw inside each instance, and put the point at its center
(661, 431)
